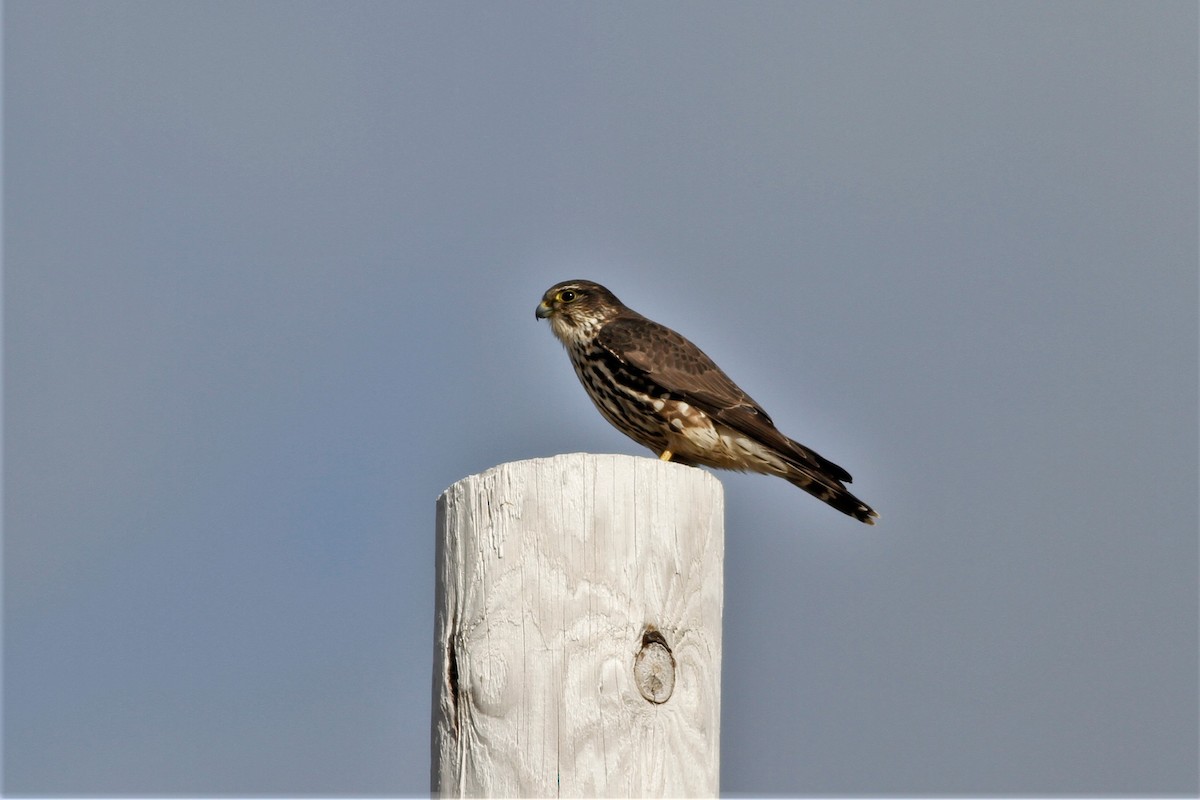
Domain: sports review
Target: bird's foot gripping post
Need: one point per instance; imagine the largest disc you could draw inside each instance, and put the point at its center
(665, 455)
(578, 627)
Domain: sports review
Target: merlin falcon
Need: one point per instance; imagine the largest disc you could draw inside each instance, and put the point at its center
(663, 392)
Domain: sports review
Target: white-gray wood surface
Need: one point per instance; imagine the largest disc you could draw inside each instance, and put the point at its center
(578, 630)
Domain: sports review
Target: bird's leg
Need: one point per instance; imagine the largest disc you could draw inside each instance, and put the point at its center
(665, 455)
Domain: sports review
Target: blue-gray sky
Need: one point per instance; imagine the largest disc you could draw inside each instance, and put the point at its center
(270, 272)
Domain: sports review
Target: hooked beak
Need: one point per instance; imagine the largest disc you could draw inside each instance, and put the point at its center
(543, 310)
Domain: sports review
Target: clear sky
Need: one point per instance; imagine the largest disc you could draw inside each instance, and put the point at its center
(270, 273)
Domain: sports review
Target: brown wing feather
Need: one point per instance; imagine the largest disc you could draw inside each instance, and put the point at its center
(669, 360)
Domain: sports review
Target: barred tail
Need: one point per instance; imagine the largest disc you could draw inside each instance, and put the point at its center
(831, 490)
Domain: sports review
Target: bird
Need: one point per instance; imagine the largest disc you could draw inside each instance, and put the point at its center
(663, 392)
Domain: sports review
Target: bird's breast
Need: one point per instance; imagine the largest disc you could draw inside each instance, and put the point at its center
(657, 418)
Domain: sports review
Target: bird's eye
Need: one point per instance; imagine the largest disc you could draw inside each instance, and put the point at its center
(567, 296)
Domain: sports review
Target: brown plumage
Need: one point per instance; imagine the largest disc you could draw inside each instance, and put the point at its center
(663, 392)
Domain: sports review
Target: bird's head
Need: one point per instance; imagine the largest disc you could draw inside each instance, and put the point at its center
(577, 309)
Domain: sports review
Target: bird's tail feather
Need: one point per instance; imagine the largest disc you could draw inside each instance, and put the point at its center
(831, 491)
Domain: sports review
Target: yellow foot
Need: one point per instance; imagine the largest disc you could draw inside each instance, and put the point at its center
(665, 455)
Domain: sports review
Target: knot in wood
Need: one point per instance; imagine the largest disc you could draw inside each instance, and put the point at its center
(654, 667)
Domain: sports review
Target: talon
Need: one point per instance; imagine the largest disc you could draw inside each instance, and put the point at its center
(665, 455)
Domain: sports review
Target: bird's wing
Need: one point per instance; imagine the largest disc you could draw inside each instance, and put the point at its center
(667, 359)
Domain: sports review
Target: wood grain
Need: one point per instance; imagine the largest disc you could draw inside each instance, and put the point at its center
(550, 574)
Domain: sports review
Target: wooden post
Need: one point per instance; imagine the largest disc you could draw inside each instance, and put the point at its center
(577, 643)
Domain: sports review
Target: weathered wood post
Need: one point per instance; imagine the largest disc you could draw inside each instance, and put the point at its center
(577, 644)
